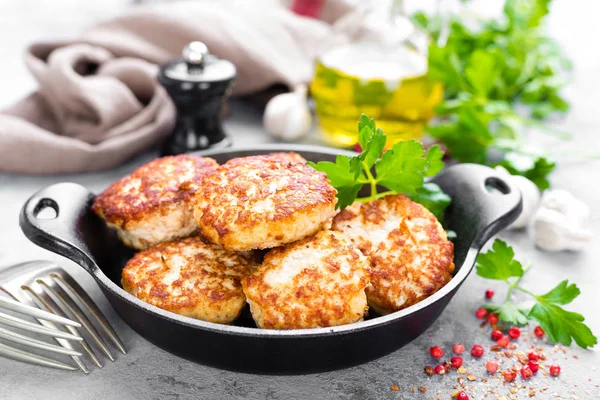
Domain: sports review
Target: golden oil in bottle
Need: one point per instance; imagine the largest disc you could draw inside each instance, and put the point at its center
(391, 87)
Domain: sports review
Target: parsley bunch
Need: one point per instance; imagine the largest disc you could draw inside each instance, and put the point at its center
(497, 79)
(401, 169)
(560, 325)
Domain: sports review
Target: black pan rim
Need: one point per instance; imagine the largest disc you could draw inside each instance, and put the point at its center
(456, 280)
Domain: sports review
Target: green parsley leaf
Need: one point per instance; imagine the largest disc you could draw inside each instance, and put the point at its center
(482, 71)
(433, 198)
(372, 151)
(434, 158)
(341, 178)
(510, 312)
(563, 326)
(563, 293)
(533, 168)
(402, 168)
(499, 263)
(560, 325)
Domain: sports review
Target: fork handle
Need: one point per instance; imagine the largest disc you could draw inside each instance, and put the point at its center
(64, 234)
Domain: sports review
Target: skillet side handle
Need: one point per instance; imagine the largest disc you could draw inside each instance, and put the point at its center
(476, 213)
(63, 234)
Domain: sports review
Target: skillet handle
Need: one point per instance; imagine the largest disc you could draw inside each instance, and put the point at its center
(66, 233)
(476, 213)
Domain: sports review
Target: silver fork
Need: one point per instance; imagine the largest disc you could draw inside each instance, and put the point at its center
(48, 293)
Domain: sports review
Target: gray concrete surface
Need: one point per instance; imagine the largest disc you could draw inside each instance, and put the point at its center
(148, 372)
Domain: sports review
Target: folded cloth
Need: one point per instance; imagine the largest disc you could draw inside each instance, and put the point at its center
(98, 101)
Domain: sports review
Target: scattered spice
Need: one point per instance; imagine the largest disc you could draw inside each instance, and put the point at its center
(422, 389)
(555, 370)
(471, 377)
(514, 332)
(458, 348)
(477, 351)
(461, 370)
(496, 335)
(395, 388)
(436, 352)
(538, 331)
(526, 372)
(491, 366)
(481, 313)
(429, 370)
(534, 366)
(440, 369)
(489, 294)
(503, 341)
(456, 361)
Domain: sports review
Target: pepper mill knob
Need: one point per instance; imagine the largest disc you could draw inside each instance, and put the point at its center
(198, 83)
(194, 55)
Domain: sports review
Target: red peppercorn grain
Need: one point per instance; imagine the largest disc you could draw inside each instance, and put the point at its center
(492, 319)
(462, 396)
(456, 361)
(503, 341)
(555, 370)
(514, 332)
(526, 372)
(533, 366)
(496, 335)
(436, 352)
(491, 366)
(440, 369)
(533, 356)
(458, 348)
(509, 375)
(481, 313)
(489, 294)
(477, 351)
(538, 331)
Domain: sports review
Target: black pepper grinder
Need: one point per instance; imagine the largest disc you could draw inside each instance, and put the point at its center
(199, 83)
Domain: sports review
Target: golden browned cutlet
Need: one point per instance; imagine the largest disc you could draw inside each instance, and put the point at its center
(410, 255)
(190, 278)
(316, 282)
(261, 202)
(152, 205)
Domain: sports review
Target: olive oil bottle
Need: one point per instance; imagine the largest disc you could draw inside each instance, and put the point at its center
(387, 80)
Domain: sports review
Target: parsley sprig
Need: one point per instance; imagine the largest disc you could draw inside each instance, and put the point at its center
(401, 169)
(499, 78)
(560, 325)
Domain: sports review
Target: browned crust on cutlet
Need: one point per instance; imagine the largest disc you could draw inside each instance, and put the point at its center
(321, 292)
(162, 182)
(226, 208)
(288, 157)
(208, 279)
(415, 261)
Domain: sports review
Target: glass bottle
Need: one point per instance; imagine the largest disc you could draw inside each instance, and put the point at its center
(381, 73)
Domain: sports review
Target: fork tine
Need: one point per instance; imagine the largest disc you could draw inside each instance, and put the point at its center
(22, 355)
(22, 308)
(46, 301)
(30, 326)
(38, 344)
(74, 309)
(77, 291)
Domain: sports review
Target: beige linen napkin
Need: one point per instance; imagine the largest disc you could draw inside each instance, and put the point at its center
(98, 101)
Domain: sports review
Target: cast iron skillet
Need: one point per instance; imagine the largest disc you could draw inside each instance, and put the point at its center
(476, 214)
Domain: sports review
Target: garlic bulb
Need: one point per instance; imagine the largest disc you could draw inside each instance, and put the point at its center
(530, 195)
(559, 222)
(287, 116)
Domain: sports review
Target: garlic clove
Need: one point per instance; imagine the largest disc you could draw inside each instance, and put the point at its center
(530, 195)
(559, 222)
(287, 116)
